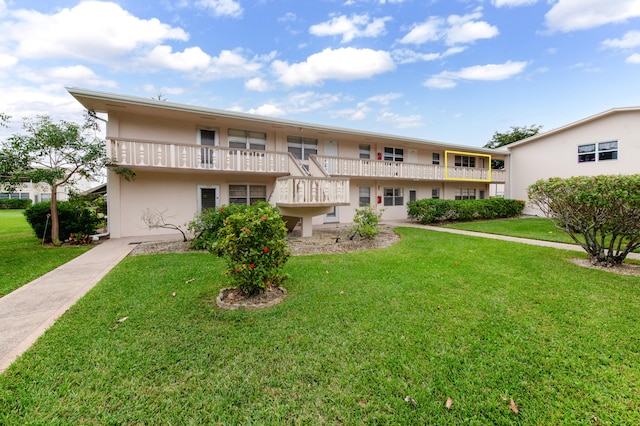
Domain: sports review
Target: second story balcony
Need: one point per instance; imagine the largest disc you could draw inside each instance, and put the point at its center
(381, 169)
(141, 153)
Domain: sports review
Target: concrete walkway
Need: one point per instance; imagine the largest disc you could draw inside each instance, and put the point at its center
(27, 312)
(562, 246)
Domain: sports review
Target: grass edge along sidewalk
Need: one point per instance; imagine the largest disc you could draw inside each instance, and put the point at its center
(434, 317)
(22, 256)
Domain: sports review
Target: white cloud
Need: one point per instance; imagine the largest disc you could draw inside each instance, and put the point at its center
(572, 15)
(257, 84)
(384, 99)
(634, 59)
(454, 30)
(233, 64)
(490, 72)
(75, 75)
(92, 31)
(269, 110)
(151, 88)
(189, 59)
(7, 61)
(513, 3)
(351, 27)
(340, 64)
(408, 56)
(630, 40)
(399, 121)
(222, 7)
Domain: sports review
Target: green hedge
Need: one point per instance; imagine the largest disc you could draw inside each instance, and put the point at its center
(73, 217)
(432, 210)
(14, 203)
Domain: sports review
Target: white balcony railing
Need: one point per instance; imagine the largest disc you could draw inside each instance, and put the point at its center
(336, 166)
(310, 191)
(129, 153)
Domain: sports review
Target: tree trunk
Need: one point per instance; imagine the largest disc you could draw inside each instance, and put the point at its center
(55, 223)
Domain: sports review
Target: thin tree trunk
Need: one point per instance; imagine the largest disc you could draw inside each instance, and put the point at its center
(55, 223)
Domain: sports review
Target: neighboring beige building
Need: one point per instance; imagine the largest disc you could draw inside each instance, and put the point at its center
(187, 158)
(606, 143)
(37, 192)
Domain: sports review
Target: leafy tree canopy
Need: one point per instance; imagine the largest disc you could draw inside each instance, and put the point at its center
(514, 134)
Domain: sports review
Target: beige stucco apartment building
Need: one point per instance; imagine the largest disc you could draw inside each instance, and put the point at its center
(188, 158)
(606, 143)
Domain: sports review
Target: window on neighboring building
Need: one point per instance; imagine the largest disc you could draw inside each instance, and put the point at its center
(365, 152)
(464, 161)
(586, 153)
(435, 158)
(465, 194)
(247, 194)
(605, 151)
(244, 139)
(393, 197)
(608, 150)
(14, 195)
(435, 193)
(393, 154)
(364, 196)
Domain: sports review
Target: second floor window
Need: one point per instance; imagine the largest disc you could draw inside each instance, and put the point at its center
(393, 154)
(301, 147)
(243, 139)
(464, 161)
(435, 158)
(365, 152)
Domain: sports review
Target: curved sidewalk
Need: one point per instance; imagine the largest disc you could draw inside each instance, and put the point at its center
(563, 246)
(27, 312)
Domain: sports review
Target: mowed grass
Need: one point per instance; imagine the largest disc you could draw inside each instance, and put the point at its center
(433, 317)
(531, 227)
(22, 257)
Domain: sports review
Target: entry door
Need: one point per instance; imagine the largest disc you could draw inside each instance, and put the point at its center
(331, 150)
(207, 138)
(208, 197)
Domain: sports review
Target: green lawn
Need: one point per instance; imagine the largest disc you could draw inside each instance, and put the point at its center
(22, 257)
(436, 316)
(531, 227)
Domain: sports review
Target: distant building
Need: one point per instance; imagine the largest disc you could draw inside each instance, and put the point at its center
(604, 144)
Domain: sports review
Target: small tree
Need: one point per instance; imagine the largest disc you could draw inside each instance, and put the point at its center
(254, 245)
(600, 213)
(54, 154)
(514, 134)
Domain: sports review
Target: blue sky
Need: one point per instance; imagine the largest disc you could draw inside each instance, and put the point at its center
(449, 70)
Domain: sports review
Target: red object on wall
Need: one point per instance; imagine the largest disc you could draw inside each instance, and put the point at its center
(379, 156)
(379, 199)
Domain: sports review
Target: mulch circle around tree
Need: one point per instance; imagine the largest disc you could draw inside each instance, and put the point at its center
(232, 298)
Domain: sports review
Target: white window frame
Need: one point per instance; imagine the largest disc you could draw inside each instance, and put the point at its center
(465, 194)
(253, 140)
(364, 192)
(396, 198)
(390, 153)
(435, 193)
(249, 200)
(435, 158)
(464, 161)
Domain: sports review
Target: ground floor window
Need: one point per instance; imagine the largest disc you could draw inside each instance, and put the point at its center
(247, 194)
(364, 196)
(435, 193)
(13, 195)
(413, 195)
(393, 197)
(465, 194)
(208, 197)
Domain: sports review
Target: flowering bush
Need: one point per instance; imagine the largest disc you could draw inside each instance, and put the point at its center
(206, 224)
(254, 244)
